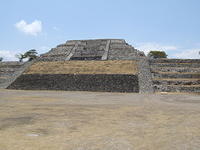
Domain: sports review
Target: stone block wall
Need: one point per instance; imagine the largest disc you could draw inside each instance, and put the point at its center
(123, 51)
(9, 71)
(79, 82)
(105, 76)
(176, 75)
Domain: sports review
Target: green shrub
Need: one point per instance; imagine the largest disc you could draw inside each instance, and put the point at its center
(1, 59)
(157, 54)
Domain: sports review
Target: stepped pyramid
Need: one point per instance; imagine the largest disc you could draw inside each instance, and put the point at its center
(101, 49)
(84, 65)
(108, 65)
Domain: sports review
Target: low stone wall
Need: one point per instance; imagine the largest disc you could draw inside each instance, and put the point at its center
(9, 71)
(8, 64)
(176, 75)
(79, 82)
(165, 60)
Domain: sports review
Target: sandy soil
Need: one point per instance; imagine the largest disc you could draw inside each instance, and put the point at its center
(44, 120)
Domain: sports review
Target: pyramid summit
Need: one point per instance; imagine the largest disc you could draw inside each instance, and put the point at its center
(99, 49)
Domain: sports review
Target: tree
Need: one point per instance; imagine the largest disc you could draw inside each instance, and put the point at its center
(1, 59)
(20, 57)
(31, 54)
(157, 54)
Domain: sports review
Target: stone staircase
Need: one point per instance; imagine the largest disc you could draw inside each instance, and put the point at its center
(89, 49)
(120, 50)
(176, 75)
(9, 71)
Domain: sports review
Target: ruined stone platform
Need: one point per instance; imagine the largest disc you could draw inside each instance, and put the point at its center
(106, 65)
(176, 75)
(104, 76)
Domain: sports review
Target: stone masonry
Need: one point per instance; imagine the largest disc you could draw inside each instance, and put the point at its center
(101, 49)
(150, 75)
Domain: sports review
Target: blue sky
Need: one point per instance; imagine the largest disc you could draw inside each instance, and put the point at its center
(169, 25)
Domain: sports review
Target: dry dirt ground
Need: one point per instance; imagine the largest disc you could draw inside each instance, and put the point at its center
(86, 67)
(44, 120)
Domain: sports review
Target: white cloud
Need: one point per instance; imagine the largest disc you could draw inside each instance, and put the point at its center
(33, 28)
(173, 51)
(188, 54)
(7, 55)
(146, 47)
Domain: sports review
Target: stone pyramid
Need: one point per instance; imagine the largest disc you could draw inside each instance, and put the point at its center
(100, 49)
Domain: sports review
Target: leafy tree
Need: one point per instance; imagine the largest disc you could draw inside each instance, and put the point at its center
(31, 54)
(157, 54)
(1, 59)
(20, 57)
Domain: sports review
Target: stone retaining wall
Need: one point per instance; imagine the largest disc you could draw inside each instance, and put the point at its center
(176, 75)
(9, 71)
(79, 82)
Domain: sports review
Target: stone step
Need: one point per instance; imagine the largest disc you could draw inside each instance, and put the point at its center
(176, 75)
(177, 88)
(2, 80)
(7, 74)
(122, 50)
(175, 69)
(7, 71)
(10, 66)
(59, 51)
(65, 45)
(11, 63)
(179, 81)
(117, 41)
(2, 70)
(193, 65)
(120, 46)
(175, 61)
(185, 93)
